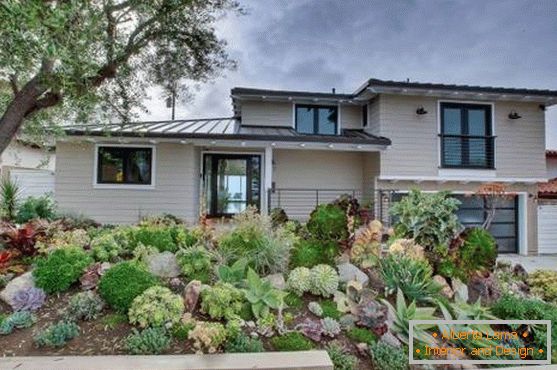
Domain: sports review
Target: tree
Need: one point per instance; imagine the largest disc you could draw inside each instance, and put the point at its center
(494, 195)
(66, 61)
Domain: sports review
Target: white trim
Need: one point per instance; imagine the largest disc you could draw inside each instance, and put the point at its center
(492, 104)
(267, 175)
(523, 223)
(466, 173)
(527, 180)
(339, 120)
(262, 193)
(151, 186)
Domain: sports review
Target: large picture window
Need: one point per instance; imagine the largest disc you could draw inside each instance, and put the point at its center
(314, 119)
(124, 165)
(467, 140)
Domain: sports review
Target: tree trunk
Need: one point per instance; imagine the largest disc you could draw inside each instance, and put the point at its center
(23, 104)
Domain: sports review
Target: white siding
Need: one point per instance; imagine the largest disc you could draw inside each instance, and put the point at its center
(373, 124)
(175, 192)
(33, 183)
(551, 165)
(260, 113)
(547, 232)
(24, 156)
(351, 116)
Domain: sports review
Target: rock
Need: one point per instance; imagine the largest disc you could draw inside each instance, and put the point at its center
(485, 287)
(460, 289)
(348, 271)
(520, 272)
(391, 340)
(163, 265)
(446, 289)
(362, 348)
(277, 281)
(177, 285)
(25, 281)
(191, 295)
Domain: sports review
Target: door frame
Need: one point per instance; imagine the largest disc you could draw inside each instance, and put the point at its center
(231, 155)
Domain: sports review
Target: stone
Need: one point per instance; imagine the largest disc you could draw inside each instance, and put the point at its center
(520, 272)
(163, 265)
(348, 271)
(484, 287)
(445, 288)
(460, 289)
(277, 281)
(191, 295)
(391, 340)
(22, 282)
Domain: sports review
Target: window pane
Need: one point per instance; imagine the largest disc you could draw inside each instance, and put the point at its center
(477, 155)
(327, 120)
(452, 153)
(452, 121)
(120, 165)
(304, 120)
(476, 122)
(139, 166)
(111, 165)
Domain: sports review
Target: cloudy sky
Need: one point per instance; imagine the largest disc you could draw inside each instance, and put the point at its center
(321, 44)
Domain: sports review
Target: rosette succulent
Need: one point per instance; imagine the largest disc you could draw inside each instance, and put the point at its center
(156, 307)
(29, 299)
(299, 280)
(323, 280)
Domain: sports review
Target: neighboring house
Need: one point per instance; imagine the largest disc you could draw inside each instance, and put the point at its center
(547, 207)
(293, 149)
(31, 166)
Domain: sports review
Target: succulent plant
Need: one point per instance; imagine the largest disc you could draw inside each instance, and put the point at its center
(90, 278)
(298, 280)
(222, 300)
(311, 329)
(84, 306)
(373, 315)
(330, 327)
(367, 245)
(407, 247)
(151, 341)
(29, 299)
(323, 280)
(156, 307)
(315, 308)
(19, 319)
(57, 335)
(207, 336)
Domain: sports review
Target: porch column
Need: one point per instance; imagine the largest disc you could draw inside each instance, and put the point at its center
(268, 179)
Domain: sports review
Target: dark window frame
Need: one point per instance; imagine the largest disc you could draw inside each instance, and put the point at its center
(465, 137)
(127, 150)
(364, 115)
(316, 108)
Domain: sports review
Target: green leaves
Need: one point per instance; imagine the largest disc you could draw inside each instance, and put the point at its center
(262, 295)
(234, 274)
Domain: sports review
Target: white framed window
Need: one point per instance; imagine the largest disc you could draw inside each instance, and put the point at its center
(124, 166)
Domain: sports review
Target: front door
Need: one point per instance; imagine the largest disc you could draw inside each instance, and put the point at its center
(232, 182)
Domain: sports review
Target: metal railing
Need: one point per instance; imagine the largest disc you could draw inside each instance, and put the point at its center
(299, 202)
(467, 151)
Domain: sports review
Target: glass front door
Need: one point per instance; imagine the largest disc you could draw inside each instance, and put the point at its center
(231, 183)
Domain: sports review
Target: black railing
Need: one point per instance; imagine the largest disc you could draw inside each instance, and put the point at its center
(299, 202)
(467, 151)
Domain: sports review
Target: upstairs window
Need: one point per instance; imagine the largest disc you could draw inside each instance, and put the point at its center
(466, 136)
(318, 120)
(124, 165)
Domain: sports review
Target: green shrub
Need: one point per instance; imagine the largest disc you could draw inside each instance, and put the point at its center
(123, 282)
(162, 237)
(511, 307)
(428, 218)
(267, 250)
(329, 309)
(19, 320)
(222, 300)
(181, 330)
(293, 341)
(36, 207)
(84, 306)
(477, 253)
(196, 263)
(57, 335)
(311, 252)
(341, 358)
(298, 281)
(156, 306)
(60, 269)
(242, 343)
(385, 356)
(105, 248)
(293, 301)
(362, 335)
(151, 341)
(207, 336)
(413, 277)
(324, 280)
(328, 222)
(543, 283)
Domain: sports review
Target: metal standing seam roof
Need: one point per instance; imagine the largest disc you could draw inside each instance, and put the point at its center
(222, 129)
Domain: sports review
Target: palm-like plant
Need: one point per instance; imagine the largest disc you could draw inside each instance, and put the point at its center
(9, 197)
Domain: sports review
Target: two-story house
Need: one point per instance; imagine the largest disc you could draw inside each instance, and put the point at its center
(293, 149)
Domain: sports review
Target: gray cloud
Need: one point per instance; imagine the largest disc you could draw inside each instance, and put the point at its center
(319, 44)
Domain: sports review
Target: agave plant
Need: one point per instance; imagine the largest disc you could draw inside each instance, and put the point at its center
(9, 197)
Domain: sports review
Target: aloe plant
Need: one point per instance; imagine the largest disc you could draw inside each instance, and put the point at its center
(262, 296)
(234, 274)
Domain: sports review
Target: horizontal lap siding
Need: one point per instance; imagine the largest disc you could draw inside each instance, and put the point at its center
(351, 116)
(259, 113)
(175, 190)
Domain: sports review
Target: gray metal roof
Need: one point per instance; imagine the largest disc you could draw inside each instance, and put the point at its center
(221, 129)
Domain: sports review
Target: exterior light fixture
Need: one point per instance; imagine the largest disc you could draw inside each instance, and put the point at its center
(183, 142)
(514, 115)
(273, 144)
(303, 145)
(358, 146)
(421, 111)
(213, 142)
(153, 141)
(331, 146)
(91, 140)
(542, 107)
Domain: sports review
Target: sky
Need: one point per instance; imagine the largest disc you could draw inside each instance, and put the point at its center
(322, 44)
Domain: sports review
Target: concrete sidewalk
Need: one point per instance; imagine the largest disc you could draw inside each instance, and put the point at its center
(532, 263)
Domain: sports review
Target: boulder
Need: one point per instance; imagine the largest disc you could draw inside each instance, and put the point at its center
(445, 288)
(391, 340)
(460, 289)
(484, 287)
(163, 265)
(277, 281)
(191, 295)
(25, 281)
(348, 271)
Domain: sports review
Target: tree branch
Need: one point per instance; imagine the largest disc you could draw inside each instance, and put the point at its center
(14, 83)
